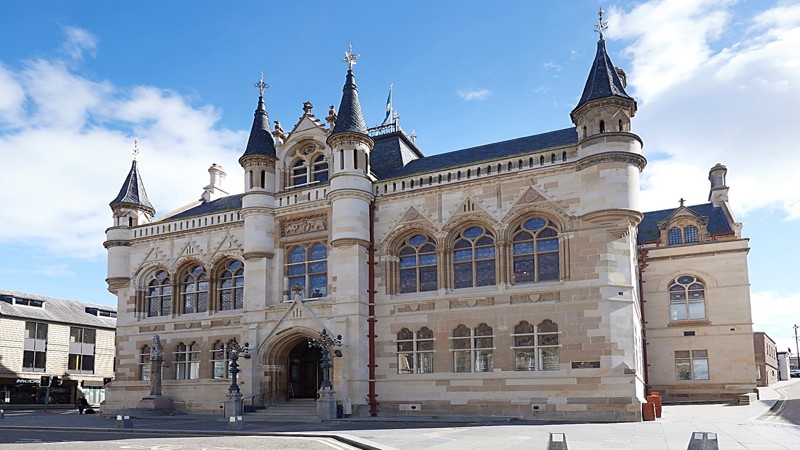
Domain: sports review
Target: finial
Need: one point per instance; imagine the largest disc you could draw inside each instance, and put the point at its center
(135, 150)
(261, 85)
(681, 200)
(350, 57)
(414, 136)
(602, 26)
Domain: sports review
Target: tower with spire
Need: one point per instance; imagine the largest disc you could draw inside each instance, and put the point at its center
(351, 200)
(258, 202)
(131, 208)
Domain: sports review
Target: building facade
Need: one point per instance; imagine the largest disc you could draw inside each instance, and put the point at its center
(51, 337)
(767, 370)
(502, 279)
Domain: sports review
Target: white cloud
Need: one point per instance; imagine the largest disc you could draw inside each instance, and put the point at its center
(474, 94)
(773, 314)
(552, 66)
(79, 42)
(73, 152)
(699, 107)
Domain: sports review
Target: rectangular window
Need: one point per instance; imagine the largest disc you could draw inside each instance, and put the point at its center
(537, 349)
(473, 350)
(81, 349)
(691, 365)
(34, 356)
(187, 362)
(415, 351)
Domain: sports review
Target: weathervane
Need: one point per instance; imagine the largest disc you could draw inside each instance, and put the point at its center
(261, 85)
(602, 26)
(350, 57)
(135, 151)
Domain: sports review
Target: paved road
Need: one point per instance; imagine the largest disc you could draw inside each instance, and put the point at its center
(766, 424)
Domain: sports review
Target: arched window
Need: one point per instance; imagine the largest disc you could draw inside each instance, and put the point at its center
(536, 251)
(144, 363)
(474, 258)
(552, 158)
(690, 234)
(415, 351)
(564, 156)
(536, 347)
(159, 295)
(219, 361)
(307, 270)
(675, 236)
(541, 160)
(194, 290)
(687, 298)
(320, 169)
(620, 124)
(231, 286)
(602, 126)
(187, 361)
(299, 173)
(473, 349)
(418, 265)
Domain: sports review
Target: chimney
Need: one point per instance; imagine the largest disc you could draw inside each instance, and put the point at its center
(214, 189)
(719, 190)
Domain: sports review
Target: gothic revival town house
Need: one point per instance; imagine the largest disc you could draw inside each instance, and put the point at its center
(503, 279)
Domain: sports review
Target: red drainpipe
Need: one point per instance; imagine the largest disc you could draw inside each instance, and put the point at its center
(373, 398)
(642, 265)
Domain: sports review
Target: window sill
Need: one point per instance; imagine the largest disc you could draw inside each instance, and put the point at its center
(688, 323)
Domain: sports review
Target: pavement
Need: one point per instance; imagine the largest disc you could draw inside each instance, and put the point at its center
(756, 426)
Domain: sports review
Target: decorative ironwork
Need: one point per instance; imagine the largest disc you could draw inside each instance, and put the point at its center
(602, 26)
(350, 57)
(325, 343)
(234, 351)
(261, 85)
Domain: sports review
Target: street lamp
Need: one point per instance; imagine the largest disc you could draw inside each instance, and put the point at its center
(325, 342)
(797, 346)
(234, 403)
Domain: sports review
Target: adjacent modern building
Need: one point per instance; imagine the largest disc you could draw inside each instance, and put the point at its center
(517, 278)
(51, 337)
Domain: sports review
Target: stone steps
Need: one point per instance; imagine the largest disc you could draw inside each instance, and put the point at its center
(297, 410)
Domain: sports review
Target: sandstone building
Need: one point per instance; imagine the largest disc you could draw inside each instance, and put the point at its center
(502, 279)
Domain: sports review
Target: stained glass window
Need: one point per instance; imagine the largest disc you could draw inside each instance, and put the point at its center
(687, 298)
(536, 347)
(418, 265)
(307, 270)
(473, 349)
(474, 258)
(194, 290)
(231, 286)
(536, 251)
(159, 295)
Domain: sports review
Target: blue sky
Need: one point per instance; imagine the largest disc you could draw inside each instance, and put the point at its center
(716, 81)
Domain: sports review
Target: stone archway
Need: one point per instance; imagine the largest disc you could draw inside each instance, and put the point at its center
(289, 368)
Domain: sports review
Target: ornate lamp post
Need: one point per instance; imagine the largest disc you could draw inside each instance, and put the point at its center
(234, 406)
(326, 406)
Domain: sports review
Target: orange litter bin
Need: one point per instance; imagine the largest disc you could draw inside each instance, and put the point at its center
(648, 411)
(655, 398)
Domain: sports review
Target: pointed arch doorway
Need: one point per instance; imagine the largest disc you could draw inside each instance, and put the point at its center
(304, 375)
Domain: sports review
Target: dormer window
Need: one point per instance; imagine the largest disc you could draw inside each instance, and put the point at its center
(686, 235)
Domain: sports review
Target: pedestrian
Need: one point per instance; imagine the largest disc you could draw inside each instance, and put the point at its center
(81, 404)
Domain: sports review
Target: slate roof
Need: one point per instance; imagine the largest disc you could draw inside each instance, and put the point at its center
(527, 144)
(349, 118)
(717, 221)
(231, 202)
(260, 141)
(57, 310)
(603, 80)
(391, 152)
(133, 192)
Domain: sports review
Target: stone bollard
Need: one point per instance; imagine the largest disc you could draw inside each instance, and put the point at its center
(236, 423)
(702, 440)
(124, 422)
(558, 441)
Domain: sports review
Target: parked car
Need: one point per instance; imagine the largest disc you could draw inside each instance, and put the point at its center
(794, 373)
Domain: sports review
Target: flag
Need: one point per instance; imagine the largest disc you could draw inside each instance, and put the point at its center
(388, 106)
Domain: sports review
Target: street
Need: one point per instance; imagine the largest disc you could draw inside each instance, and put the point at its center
(25, 439)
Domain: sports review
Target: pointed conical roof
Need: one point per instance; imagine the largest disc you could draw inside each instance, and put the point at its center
(133, 193)
(350, 118)
(603, 79)
(260, 141)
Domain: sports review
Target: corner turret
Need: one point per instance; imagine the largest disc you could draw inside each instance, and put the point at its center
(258, 160)
(131, 207)
(604, 106)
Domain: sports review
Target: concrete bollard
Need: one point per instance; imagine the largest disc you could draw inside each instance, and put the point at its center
(124, 422)
(702, 440)
(236, 423)
(2, 414)
(558, 441)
